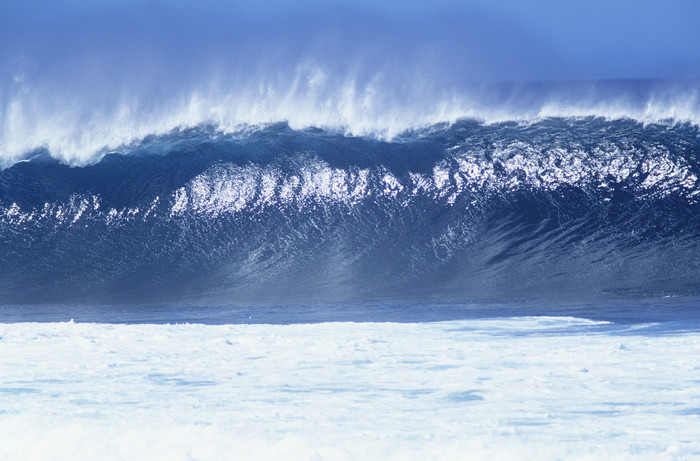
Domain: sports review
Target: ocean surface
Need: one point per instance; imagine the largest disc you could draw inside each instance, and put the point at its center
(517, 289)
(560, 209)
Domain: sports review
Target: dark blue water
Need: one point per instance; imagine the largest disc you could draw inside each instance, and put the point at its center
(656, 315)
(552, 217)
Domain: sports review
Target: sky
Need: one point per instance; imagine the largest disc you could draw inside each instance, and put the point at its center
(478, 40)
(614, 38)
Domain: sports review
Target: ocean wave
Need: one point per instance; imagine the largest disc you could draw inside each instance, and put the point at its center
(560, 207)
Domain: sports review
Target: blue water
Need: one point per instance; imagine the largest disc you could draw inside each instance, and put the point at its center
(348, 161)
(563, 216)
(432, 227)
(653, 316)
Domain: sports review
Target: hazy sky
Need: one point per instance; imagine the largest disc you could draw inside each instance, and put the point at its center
(613, 38)
(471, 40)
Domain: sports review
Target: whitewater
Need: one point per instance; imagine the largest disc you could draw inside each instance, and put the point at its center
(463, 230)
(517, 388)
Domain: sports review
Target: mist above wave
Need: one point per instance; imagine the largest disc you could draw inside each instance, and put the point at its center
(78, 131)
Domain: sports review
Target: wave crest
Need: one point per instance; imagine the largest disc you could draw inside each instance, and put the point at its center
(79, 131)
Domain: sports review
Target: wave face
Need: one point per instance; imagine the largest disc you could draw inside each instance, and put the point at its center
(561, 208)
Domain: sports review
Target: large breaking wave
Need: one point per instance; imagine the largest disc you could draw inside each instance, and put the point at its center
(557, 208)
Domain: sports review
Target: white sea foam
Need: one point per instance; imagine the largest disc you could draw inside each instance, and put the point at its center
(523, 388)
